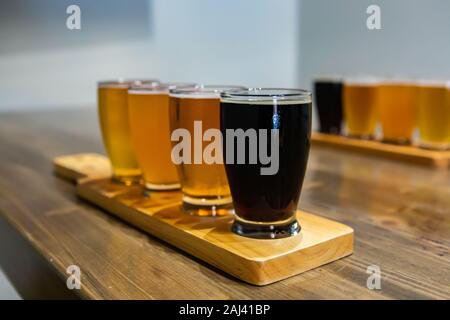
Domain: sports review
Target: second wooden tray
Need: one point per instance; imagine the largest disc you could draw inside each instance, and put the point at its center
(258, 262)
(438, 159)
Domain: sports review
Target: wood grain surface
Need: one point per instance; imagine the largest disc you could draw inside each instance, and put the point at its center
(400, 213)
(413, 154)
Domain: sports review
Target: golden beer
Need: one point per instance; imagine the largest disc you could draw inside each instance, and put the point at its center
(398, 111)
(360, 108)
(434, 115)
(150, 134)
(204, 186)
(115, 128)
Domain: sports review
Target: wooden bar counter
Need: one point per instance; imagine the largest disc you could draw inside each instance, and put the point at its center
(400, 214)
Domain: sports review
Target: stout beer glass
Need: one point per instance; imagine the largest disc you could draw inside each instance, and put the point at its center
(148, 106)
(115, 127)
(265, 202)
(397, 103)
(193, 111)
(360, 107)
(434, 115)
(328, 98)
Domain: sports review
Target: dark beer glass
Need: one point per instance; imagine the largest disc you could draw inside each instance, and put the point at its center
(266, 204)
(328, 101)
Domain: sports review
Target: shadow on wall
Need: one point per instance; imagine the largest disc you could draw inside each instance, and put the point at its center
(30, 25)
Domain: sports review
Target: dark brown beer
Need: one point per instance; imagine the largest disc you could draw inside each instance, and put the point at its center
(267, 202)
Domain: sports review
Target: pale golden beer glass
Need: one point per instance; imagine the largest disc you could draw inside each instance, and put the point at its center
(204, 186)
(360, 107)
(434, 115)
(397, 104)
(148, 106)
(115, 128)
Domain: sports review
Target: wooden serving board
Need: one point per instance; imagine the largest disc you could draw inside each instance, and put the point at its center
(255, 261)
(438, 159)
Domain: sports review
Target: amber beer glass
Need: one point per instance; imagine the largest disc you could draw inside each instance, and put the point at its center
(360, 107)
(204, 186)
(328, 98)
(434, 115)
(115, 128)
(265, 203)
(148, 106)
(397, 101)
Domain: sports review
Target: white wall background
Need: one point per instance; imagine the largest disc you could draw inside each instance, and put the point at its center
(7, 291)
(251, 42)
(45, 65)
(414, 40)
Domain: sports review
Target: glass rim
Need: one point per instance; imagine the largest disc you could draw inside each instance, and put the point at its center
(363, 80)
(159, 87)
(125, 82)
(433, 83)
(267, 95)
(201, 91)
(334, 78)
(399, 82)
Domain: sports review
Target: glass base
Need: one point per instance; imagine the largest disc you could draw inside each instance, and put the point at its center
(332, 130)
(157, 194)
(361, 136)
(127, 180)
(204, 207)
(397, 141)
(161, 187)
(266, 231)
(439, 146)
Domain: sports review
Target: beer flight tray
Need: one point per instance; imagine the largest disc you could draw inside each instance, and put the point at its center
(255, 261)
(437, 159)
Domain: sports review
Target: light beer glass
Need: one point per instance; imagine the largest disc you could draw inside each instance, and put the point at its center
(360, 107)
(397, 103)
(204, 185)
(265, 202)
(115, 128)
(434, 115)
(148, 106)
